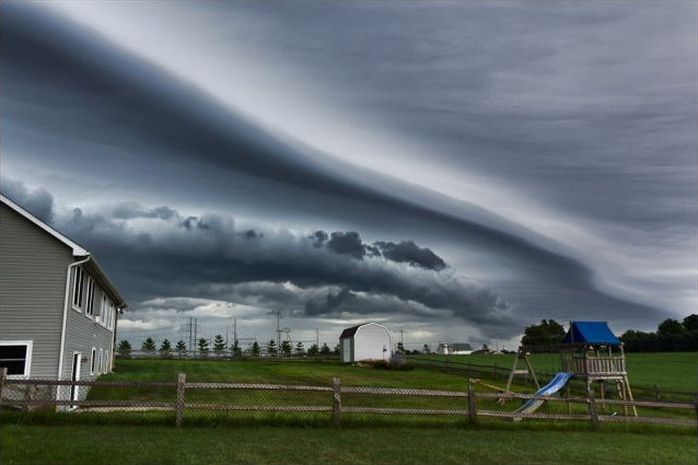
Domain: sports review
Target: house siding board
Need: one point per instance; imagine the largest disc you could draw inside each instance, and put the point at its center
(33, 268)
(82, 334)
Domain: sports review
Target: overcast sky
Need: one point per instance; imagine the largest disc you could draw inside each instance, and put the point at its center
(456, 170)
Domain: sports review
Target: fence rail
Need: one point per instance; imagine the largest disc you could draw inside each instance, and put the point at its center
(26, 398)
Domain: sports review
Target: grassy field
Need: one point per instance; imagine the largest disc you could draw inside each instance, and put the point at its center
(321, 373)
(212, 438)
(671, 371)
(154, 445)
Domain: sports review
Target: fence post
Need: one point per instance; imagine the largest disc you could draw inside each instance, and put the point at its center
(696, 408)
(179, 407)
(3, 378)
(472, 403)
(336, 401)
(592, 409)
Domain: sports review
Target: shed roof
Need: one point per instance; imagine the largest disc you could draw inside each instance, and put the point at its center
(350, 332)
(590, 332)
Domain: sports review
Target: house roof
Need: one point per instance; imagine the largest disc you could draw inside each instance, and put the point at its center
(590, 332)
(349, 332)
(78, 251)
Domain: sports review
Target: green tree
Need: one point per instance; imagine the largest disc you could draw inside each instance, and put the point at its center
(690, 323)
(235, 349)
(203, 347)
(181, 349)
(271, 347)
(300, 349)
(336, 349)
(426, 350)
(670, 327)
(400, 348)
(286, 348)
(325, 349)
(255, 349)
(313, 350)
(544, 337)
(148, 346)
(124, 349)
(218, 345)
(166, 349)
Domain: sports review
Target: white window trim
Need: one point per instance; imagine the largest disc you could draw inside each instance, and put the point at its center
(89, 297)
(93, 355)
(100, 366)
(28, 362)
(77, 308)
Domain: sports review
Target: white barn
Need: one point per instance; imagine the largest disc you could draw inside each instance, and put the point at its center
(367, 341)
(454, 348)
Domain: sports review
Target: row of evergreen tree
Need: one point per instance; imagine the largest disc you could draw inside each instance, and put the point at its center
(219, 348)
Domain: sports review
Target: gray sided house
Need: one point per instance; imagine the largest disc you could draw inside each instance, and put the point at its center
(58, 309)
(368, 341)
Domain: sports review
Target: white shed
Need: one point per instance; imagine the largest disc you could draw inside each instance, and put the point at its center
(367, 341)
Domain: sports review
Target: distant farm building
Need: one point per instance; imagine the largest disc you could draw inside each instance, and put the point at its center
(454, 348)
(368, 341)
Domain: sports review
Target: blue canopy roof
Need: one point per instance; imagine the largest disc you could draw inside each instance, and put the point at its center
(590, 332)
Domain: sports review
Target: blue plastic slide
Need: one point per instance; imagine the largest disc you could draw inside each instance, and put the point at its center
(559, 381)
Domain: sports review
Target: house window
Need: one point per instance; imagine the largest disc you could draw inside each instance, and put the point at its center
(90, 297)
(16, 357)
(103, 307)
(100, 364)
(78, 288)
(93, 361)
(107, 362)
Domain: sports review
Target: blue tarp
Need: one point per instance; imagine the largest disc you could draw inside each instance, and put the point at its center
(590, 332)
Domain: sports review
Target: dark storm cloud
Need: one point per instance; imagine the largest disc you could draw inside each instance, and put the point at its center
(126, 211)
(63, 80)
(350, 243)
(175, 255)
(409, 252)
(39, 202)
(347, 243)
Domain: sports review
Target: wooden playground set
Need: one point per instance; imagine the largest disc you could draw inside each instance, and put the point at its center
(590, 352)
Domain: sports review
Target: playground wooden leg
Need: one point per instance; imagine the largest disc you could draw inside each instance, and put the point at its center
(630, 394)
(621, 394)
(567, 396)
(602, 392)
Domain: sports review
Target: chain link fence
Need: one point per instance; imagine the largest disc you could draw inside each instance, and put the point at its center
(183, 402)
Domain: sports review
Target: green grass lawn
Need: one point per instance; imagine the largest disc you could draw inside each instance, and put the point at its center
(671, 370)
(267, 438)
(321, 373)
(154, 445)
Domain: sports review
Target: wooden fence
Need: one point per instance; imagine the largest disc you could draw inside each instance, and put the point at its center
(334, 407)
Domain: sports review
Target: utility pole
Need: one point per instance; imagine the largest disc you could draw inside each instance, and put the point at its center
(235, 329)
(191, 333)
(196, 329)
(402, 341)
(278, 331)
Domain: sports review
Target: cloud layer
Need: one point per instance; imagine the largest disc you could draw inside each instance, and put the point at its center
(378, 165)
